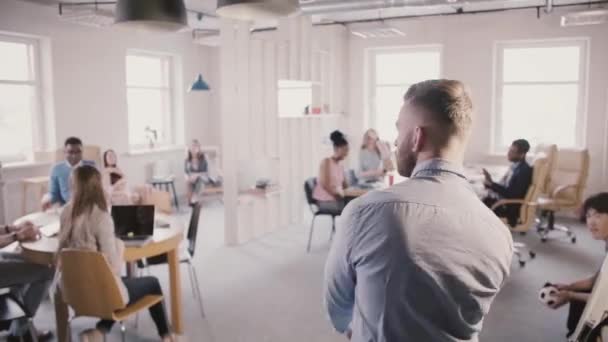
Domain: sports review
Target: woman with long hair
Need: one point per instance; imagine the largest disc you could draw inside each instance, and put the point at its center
(329, 192)
(86, 224)
(374, 158)
(114, 181)
(196, 168)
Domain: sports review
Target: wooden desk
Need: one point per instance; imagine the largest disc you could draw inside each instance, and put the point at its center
(165, 240)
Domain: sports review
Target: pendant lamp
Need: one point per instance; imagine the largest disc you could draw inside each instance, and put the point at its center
(152, 15)
(199, 84)
(256, 9)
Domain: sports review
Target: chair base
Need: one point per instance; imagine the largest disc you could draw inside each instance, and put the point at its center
(312, 227)
(549, 230)
(523, 253)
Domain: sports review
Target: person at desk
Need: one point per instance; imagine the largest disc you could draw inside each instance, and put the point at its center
(196, 168)
(424, 259)
(513, 185)
(329, 191)
(374, 158)
(87, 224)
(595, 214)
(115, 183)
(26, 280)
(59, 184)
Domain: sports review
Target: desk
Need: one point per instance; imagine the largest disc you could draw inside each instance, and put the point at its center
(165, 240)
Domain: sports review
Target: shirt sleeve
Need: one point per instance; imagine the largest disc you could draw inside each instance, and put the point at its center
(54, 188)
(340, 278)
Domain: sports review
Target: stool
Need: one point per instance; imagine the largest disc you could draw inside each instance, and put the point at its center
(41, 182)
(166, 184)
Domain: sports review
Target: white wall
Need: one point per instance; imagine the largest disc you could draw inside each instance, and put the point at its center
(88, 82)
(468, 43)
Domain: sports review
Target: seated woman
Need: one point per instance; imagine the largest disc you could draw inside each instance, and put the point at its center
(115, 183)
(595, 211)
(197, 171)
(329, 191)
(374, 158)
(86, 224)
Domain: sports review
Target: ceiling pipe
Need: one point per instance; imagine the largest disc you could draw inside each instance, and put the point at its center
(549, 7)
(332, 6)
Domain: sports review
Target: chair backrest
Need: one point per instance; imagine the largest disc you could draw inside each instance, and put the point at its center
(351, 177)
(161, 169)
(571, 168)
(548, 151)
(309, 186)
(89, 152)
(193, 228)
(540, 170)
(88, 284)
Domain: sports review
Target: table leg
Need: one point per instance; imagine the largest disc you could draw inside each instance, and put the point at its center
(61, 318)
(176, 292)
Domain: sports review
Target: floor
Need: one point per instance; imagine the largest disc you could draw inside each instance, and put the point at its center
(270, 289)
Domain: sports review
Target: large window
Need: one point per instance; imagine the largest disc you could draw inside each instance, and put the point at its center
(19, 98)
(149, 99)
(540, 93)
(393, 71)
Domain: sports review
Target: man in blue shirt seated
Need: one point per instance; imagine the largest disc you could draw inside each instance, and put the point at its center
(59, 184)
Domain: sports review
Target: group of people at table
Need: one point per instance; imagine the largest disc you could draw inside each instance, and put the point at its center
(85, 195)
(418, 261)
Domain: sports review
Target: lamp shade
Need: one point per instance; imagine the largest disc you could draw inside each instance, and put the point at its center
(256, 9)
(152, 15)
(199, 84)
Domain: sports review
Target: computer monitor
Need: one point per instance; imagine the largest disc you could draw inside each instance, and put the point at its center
(133, 221)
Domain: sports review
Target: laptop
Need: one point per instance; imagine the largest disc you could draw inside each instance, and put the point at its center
(134, 224)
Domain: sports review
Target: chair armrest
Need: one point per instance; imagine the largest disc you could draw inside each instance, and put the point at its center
(562, 188)
(512, 201)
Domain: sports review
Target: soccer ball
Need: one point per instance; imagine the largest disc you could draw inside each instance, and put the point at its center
(548, 294)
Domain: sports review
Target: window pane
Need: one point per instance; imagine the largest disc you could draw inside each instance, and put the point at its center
(541, 64)
(406, 67)
(145, 71)
(389, 100)
(16, 107)
(14, 62)
(529, 110)
(147, 108)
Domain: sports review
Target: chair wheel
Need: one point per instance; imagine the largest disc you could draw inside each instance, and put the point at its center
(522, 263)
(543, 239)
(573, 239)
(532, 255)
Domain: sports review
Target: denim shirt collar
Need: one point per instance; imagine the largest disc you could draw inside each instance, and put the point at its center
(436, 166)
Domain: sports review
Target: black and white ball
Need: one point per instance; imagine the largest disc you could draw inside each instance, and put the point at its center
(548, 295)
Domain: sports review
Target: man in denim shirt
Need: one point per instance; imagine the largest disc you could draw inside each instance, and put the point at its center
(59, 184)
(424, 259)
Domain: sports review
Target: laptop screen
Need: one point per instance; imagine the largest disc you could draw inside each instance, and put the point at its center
(133, 220)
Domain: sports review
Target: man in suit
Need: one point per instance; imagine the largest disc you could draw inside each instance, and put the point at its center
(513, 185)
(60, 185)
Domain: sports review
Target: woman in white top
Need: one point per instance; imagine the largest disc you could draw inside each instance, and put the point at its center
(86, 224)
(374, 158)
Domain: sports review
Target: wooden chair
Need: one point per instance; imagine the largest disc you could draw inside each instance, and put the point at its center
(161, 200)
(568, 180)
(91, 289)
(529, 204)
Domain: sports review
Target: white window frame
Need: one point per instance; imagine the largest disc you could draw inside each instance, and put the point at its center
(370, 62)
(170, 119)
(38, 118)
(581, 114)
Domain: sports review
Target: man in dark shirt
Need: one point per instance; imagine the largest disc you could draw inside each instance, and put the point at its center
(27, 281)
(513, 185)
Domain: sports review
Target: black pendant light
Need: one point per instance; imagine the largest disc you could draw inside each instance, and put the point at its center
(256, 9)
(153, 15)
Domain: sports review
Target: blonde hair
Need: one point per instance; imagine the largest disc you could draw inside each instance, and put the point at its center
(87, 194)
(366, 137)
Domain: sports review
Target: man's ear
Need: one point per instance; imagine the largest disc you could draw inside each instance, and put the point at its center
(419, 138)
